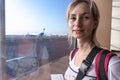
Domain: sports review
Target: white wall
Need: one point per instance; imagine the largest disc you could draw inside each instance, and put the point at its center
(115, 28)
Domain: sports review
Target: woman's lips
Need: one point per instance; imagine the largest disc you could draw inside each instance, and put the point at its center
(78, 31)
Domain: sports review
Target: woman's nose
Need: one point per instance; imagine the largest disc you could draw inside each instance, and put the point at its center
(78, 23)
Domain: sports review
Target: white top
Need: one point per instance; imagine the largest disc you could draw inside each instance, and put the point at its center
(113, 70)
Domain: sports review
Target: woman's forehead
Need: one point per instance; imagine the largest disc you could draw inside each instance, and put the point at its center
(80, 8)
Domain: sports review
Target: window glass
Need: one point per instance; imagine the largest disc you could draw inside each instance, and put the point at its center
(36, 39)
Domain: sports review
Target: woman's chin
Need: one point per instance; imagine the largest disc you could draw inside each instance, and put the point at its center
(77, 36)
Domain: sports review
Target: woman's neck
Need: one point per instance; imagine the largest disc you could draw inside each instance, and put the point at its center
(85, 45)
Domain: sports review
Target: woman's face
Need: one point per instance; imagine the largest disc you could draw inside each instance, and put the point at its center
(81, 21)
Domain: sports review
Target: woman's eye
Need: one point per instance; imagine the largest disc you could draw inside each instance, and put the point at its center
(85, 17)
(72, 18)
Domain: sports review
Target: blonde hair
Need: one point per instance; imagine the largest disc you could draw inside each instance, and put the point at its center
(94, 11)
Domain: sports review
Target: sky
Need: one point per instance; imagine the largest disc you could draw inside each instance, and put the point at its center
(31, 16)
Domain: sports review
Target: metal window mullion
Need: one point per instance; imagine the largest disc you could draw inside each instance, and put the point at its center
(2, 40)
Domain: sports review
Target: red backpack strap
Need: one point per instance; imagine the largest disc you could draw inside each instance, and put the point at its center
(106, 63)
(97, 64)
(73, 53)
(101, 64)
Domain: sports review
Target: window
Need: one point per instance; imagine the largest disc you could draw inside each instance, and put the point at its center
(36, 39)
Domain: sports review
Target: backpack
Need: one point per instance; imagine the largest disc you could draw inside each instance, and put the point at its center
(101, 63)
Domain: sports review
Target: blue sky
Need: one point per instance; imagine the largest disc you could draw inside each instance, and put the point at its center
(31, 16)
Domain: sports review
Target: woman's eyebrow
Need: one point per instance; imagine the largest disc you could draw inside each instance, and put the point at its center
(80, 14)
(72, 14)
(86, 13)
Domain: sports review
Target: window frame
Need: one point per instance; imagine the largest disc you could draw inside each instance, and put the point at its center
(2, 40)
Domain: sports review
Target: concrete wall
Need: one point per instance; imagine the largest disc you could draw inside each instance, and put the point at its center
(104, 29)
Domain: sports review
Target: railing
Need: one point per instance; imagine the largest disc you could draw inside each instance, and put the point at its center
(21, 66)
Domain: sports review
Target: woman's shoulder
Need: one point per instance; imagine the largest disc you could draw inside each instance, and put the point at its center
(114, 68)
(72, 53)
(115, 60)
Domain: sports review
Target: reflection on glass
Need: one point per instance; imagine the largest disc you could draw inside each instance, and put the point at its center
(31, 56)
(36, 39)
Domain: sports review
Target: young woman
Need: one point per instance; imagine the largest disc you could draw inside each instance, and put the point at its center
(83, 19)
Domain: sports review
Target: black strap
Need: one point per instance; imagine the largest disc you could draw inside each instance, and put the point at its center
(87, 63)
(102, 72)
(76, 44)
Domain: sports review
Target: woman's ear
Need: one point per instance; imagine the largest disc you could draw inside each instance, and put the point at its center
(95, 24)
